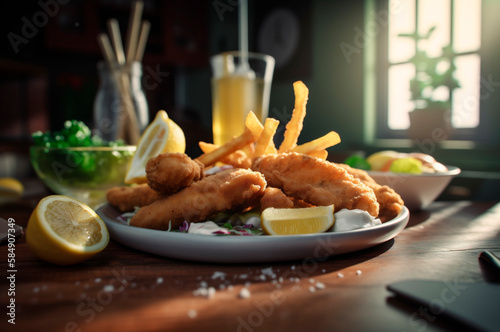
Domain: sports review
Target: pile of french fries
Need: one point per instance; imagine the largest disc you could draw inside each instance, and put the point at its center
(258, 139)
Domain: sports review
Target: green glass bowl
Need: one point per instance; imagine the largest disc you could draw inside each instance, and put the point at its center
(83, 173)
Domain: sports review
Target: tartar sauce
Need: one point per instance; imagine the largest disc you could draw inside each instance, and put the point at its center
(346, 220)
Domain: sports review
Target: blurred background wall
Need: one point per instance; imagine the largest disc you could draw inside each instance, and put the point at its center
(49, 54)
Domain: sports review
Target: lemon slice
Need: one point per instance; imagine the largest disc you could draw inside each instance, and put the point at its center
(64, 231)
(162, 135)
(294, 221)
(10, 190)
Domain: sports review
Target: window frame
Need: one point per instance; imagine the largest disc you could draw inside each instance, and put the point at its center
(382, 130)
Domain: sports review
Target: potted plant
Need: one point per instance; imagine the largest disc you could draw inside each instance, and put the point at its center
(431, 115)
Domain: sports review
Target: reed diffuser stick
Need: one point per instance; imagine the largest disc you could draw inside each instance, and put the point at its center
(143, 37)
(116, 38)
(133, 30)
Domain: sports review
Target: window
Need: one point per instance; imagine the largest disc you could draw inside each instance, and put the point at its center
(455, 26)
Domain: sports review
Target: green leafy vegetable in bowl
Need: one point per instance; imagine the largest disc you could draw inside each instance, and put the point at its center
(74, 134)
(75, 163)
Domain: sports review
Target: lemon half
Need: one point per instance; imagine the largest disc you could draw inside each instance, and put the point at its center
(162, 135)
(294, 221)
(64, 231)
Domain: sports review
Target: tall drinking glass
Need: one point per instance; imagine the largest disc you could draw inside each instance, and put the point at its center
(241, 82)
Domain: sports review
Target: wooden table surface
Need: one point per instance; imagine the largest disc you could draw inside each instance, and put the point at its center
(122, 289)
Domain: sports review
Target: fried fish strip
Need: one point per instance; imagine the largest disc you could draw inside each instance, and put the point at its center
(232, 189)
(316, 181)
(390, 202)
(126, 199)
(168, 172)
(274, 197)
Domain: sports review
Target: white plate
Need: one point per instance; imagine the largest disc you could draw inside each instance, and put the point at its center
(249, 249)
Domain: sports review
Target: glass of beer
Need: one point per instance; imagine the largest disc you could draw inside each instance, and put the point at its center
(241, 82)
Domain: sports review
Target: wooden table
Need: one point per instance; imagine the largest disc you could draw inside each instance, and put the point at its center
(124, 289)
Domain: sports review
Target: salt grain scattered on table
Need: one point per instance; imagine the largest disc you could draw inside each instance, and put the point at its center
(218, 275)
(108, 288)
(320, 285)
(192, 313)
(244, 293)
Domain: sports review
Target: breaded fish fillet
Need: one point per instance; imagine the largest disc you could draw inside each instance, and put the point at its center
(169, 172)
(274, 197)
(316, 181)
(232, 189)
(126, 199)
(390, 202)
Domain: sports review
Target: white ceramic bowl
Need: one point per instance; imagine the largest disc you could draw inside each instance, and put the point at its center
(417, 190)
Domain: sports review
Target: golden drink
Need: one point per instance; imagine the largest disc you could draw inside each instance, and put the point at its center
(233, 97)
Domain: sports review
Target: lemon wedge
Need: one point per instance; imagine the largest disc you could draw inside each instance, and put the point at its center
(64, 231)
(294, 221)
(10, 190)
(162, 135)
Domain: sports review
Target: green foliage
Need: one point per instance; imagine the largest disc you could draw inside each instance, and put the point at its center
(430, 75)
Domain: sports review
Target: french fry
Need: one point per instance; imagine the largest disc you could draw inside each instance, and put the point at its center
(207, 147)
(253, 129)
(321, 154)
(236, 143)
(271, 148)
(326, 141)
(236, 159)
(253, 124)
(266, 137)
(294, 126)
